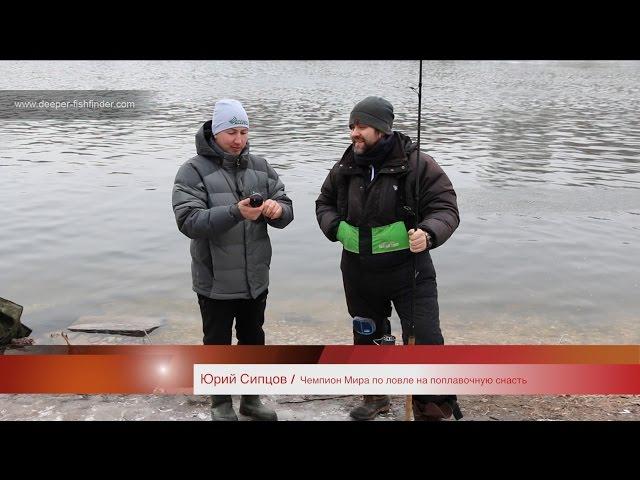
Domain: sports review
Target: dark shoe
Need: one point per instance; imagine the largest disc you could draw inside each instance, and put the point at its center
(371, 406)
(431, 412)
(222, 409)
(251, 406)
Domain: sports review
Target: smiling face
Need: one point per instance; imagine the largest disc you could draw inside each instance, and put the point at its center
(232, 140)
(364, 137)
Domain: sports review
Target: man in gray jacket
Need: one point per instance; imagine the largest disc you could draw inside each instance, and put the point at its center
(223, 200)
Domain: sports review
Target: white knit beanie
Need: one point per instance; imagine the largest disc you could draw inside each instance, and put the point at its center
(228, 113)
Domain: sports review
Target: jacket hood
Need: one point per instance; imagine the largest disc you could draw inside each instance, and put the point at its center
(405, 142)
(207, 147)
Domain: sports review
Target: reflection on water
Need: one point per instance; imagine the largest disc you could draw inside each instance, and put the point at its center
(545, 157)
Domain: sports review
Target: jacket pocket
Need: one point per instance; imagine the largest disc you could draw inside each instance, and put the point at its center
(349, 236)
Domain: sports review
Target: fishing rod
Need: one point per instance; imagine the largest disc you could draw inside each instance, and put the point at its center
(412, 338)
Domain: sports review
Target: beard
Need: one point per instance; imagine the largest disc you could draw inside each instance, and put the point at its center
(362, 146)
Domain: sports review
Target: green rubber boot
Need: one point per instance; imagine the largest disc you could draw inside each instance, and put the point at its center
(222, 409)
(251, 406)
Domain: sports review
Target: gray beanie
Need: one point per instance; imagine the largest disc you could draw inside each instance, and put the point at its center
(228, 113)
(375, 112)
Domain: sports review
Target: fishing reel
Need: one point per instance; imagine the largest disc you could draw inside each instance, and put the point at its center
(367, 326)
(387, 339)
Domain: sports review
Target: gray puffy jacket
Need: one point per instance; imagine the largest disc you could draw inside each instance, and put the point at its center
(230, 255)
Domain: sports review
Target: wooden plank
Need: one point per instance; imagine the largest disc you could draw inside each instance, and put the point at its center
(118, 325)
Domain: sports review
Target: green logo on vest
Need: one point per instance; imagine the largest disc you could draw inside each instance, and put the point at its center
(387, 245)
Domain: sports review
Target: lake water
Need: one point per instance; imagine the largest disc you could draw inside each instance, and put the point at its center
(544, 156)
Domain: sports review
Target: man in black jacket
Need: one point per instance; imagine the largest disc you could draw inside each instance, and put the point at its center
(368, 202)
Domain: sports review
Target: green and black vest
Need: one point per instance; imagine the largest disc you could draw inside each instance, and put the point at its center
(376, 215)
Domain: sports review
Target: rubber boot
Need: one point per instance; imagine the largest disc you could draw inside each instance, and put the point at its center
(251, 406)
(431, 412)
(222, 409)
(371, 406)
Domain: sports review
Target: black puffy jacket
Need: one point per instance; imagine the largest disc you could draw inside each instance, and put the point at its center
(345, 194)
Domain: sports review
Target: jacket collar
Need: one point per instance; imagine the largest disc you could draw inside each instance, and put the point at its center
(207, 147)
(397, 161)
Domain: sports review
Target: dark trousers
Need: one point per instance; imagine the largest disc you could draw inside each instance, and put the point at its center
(370, 294)
(218, 316)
